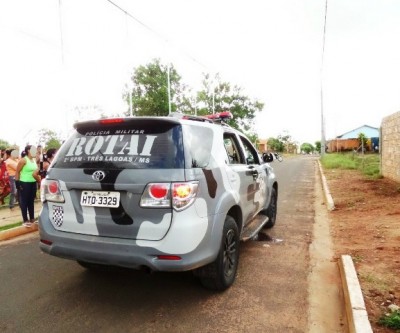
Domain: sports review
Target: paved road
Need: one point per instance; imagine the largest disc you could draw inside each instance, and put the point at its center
(41, 293)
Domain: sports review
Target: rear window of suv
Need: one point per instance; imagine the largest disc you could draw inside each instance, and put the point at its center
(132, 144)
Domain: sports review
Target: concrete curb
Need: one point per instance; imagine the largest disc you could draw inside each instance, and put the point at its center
(356, 312)
(17, 231)
(328, 196)
(355, 307)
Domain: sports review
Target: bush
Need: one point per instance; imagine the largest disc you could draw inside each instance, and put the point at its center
(391, 320)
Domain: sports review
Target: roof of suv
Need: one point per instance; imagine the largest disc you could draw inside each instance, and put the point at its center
(217, 118)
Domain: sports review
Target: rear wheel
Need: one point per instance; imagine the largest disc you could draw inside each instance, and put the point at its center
(220, 274)
(272, 210)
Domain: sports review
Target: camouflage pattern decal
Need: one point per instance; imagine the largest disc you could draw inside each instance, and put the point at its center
(118, 214)
(193, 232)
(211, 183)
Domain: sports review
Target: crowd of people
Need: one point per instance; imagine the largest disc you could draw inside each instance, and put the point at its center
(20, 177)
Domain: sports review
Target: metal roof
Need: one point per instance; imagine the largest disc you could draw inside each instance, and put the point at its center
(368, 131)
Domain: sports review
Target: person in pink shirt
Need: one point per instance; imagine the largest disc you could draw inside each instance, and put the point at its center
(4, 185)
(11, 162)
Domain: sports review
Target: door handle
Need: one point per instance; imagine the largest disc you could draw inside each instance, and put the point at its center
(253, 172)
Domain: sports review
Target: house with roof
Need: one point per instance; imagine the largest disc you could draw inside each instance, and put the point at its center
(349, 140)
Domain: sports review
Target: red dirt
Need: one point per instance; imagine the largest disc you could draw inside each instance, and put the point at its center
(366, 225)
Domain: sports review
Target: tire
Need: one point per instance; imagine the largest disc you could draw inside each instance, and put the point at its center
(279, 157)
(220, 274)
(271, 210)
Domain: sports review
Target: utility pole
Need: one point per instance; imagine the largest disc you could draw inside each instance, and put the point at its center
(322, 96)
(169, 89)
(130, 102)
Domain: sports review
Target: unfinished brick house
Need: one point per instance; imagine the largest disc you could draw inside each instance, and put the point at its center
(349, 140)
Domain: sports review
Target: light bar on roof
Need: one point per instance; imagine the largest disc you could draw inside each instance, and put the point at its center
(220, 115)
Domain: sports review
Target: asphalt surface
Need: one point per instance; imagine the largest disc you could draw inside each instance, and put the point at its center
(270, 294)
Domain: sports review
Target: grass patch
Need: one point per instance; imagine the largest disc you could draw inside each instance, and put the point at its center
(391, 320)
(372, 281)
(357, 258)
(368, 164)
(10, 226)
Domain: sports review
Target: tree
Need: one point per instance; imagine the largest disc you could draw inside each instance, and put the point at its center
(253, 137)
(275, 144)
(220, 96)
(289, 145)
(149, 94)
(318, 145)
(362, 139)
(49, 138)
(4, 144)
(307, 147)
(282, 143)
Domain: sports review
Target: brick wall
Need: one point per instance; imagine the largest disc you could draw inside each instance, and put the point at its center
(337, 145)
(390, 147)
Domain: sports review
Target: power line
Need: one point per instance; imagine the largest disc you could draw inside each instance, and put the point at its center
(138, 21)
(61, 31)
(156, 33)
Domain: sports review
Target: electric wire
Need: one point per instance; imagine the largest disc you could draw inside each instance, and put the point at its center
(61, 31)
(157, 34)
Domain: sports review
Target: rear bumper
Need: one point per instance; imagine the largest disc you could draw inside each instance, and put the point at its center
(121, 252)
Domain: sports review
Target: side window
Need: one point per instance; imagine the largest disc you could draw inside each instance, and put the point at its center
(198, 143)
(232, 149)
(250, 152)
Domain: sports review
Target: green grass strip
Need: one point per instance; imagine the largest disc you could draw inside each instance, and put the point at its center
(368, 164)
(10, 226)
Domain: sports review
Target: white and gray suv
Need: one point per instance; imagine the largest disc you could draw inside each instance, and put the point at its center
(160, 193)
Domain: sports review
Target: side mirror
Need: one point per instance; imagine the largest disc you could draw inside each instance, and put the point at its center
(267, 157)
(270, 157)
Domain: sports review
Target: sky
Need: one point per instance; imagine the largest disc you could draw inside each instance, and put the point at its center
(61, 58)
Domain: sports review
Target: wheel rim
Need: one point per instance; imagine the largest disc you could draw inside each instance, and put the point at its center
(230, 253)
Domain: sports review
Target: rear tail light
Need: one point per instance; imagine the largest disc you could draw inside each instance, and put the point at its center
(159, 191)
(47, 242)
(165, 195)
(50, 191)
(183, 194)
(156, 195)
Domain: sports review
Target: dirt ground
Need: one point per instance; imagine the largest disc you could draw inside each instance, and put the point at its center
(366, 225)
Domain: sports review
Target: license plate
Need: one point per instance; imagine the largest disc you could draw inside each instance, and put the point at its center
(100, 199)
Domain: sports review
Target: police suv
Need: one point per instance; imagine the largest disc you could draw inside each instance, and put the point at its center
(170, 193)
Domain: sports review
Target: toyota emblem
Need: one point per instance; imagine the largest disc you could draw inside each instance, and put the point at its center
(98, 175)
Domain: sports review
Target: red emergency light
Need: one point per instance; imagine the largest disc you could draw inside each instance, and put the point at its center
(111, 121)
(220, 115)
